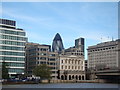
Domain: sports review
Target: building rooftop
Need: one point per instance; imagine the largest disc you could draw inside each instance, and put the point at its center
(104, 44)
(8, 22)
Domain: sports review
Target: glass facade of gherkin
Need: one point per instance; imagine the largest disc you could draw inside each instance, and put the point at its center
(57, 45)
(12, 44)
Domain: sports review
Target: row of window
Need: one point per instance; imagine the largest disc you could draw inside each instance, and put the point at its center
(11, 53)
(32, 54)
(13, 37)
(43, 54)
(102, 53)
(77, 53)
(12, 58)
(42, 49)
(16, 64)
(104, 58)
(39, 58)
(12, 48)
(108, 65)
(72, 67)
(38, 49)
(72, 61)
(12, 32)
(40, 62)
(51, 63)
(13, 43)
(52, 55)
(42, 58)
(8, 22)
(16, 70)
(52, 59)
(101, 49)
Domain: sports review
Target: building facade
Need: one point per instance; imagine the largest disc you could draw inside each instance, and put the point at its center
(12, 47)
(79, 43)
(77, 50)
(37, 54)
(86, 65)
(71, 67)
(104, 56)
(71, 62)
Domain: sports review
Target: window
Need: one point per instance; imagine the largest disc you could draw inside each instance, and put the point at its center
(52, 59)
(62, 61)
(65, 61)
(65, 67)
(43, 58)
(75, 67)
(13, 32)
(69, 61)
(75, 62)
(62, 66)
(72, 61)
(72, 67)
(69, 67)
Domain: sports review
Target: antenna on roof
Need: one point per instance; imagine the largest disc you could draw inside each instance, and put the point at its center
(112, 38)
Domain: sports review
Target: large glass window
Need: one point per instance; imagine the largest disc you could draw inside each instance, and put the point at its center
(12, 58)
(13, 43)
(13, 37)
(12, 48)
(16, 70)
(13, 32)
(52, 59)
(16, 64)
(12, 53)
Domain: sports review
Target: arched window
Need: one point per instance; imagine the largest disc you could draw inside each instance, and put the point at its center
(79, 77)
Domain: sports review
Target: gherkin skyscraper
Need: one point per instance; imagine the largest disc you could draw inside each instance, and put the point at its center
(57, 45)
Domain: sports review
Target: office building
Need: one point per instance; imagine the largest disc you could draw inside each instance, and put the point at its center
(77, 50)
(12, 45)
(57, 45)
(104, 56)
(79, 43)
(37, 54)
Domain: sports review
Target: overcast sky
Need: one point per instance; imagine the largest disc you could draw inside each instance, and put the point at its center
(96, 22)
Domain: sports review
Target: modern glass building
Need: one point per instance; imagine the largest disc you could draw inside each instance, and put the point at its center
(57, 45)
(79, 43)
(12, 44)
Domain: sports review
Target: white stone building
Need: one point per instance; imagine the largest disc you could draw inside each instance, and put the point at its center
(71, 67)
(71, 62)
(104, 56)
